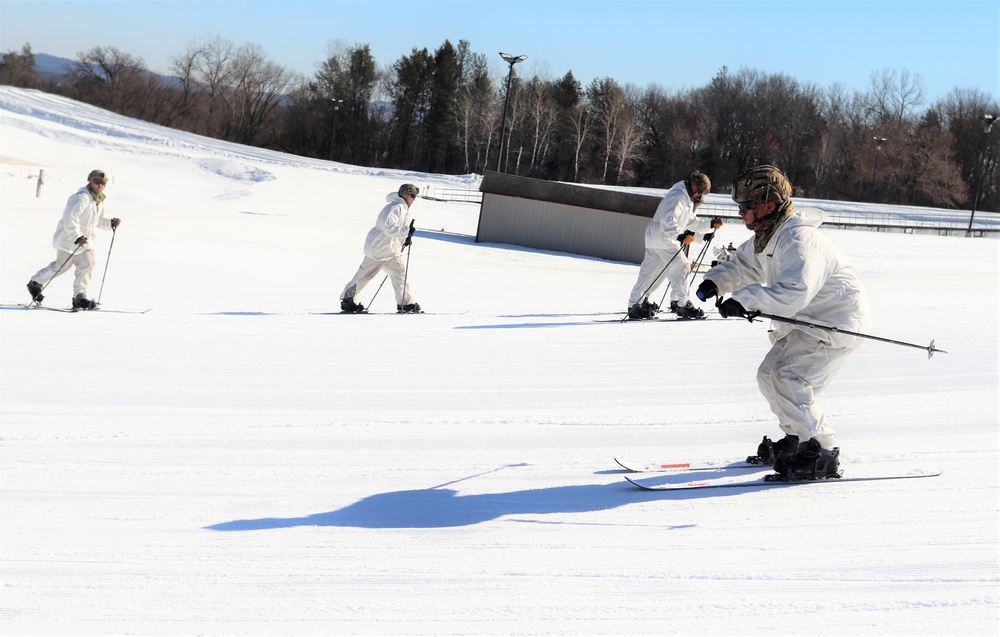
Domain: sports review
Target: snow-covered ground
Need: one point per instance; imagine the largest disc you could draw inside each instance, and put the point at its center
(232, 463)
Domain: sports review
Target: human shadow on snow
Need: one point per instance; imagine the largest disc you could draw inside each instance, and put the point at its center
(439, 507)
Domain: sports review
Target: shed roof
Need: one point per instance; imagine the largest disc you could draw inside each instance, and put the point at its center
(569, 194)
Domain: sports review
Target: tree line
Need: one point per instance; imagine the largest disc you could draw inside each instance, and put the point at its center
(442, 112)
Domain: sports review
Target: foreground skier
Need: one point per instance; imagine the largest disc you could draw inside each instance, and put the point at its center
(790, 269)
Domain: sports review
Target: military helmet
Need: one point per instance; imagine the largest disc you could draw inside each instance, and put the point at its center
(408, 189)
(97, 174)
(762, 184)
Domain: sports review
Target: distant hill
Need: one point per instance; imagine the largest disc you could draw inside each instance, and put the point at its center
(58, 67)
(52, 65)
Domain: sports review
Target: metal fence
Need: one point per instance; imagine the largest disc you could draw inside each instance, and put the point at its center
(453, 194)
(839, 215)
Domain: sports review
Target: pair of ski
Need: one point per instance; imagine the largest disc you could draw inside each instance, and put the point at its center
(69, 310)
(657, 319)
(738, 474)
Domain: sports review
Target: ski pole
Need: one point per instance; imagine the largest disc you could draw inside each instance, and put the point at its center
(650, 286)
(58, 272)
(406, 271)
(699, 261)
(114, 230)
(377, 291)
(929, 348)
(694, 270)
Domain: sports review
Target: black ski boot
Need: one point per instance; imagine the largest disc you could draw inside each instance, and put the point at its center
(81, 302)
(688, 312)
(35, 290)
(768, 450)
(409, 308)
(348, 306)
(643, 310)
(809, 462)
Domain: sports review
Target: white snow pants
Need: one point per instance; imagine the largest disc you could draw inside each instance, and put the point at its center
(793, 373)
(652, 273)
(83, 260)
(394, 266)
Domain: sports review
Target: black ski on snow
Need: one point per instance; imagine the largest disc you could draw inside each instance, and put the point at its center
(693, 465)
(392, 313)
(101, 310)
(773, 480)
(657, 319)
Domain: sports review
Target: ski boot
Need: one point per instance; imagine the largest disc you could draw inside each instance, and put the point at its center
(808, 462)
(643, 310)
(687, 312)
(81, 302)
(768, 450)
(409, 308)
(348, 306)
(35, 290)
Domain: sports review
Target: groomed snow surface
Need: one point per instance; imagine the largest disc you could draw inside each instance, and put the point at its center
(234, 462)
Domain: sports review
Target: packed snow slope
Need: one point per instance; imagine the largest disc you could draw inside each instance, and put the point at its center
(236, 462)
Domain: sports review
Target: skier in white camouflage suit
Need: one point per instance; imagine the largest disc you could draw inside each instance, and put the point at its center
(790, 269)
(74, 241)
(384, 245)
(673, 228)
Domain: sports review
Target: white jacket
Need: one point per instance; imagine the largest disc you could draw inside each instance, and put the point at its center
(385, 240)
(800, 275)
(81, 218)
(673, 216)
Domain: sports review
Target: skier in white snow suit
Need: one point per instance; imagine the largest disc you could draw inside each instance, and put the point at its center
(384, 245)
(790, 269)
(673, 228)
(74, 241)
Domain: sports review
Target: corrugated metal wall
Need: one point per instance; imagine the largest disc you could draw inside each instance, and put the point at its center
(562, 228)
(548, 215)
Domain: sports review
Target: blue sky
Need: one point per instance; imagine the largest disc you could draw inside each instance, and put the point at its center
(676, 44)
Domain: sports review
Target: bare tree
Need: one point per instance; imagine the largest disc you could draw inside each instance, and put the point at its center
(258, 86)
(632, 135)
(18, 69)
(581, 124)
(893, 97)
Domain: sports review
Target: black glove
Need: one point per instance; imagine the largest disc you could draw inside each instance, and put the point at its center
(409, 236)
(709, 236)
(115, 223)
(81, 241)
(706, 290)
(733, 308)
(686, 238)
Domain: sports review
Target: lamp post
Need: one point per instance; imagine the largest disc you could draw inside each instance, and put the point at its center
(333, 115)
(987, 126)
(878, 151)
(512, 60)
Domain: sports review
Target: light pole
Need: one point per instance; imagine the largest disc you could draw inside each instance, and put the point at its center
(878, 151)
(333, 115)
(987, 125)
(512, 60)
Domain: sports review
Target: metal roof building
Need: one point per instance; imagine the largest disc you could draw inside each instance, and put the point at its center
(562, 217)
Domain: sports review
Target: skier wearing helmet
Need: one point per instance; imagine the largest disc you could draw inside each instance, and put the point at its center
(384, 249)
(788, 268)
